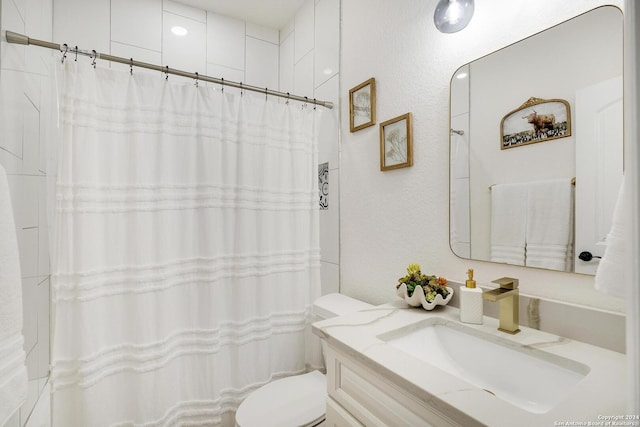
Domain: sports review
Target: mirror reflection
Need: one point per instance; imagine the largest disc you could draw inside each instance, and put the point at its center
(533, 183)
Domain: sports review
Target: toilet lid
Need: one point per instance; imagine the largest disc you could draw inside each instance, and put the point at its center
(294, 401)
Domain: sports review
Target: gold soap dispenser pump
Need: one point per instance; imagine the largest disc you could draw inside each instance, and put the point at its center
(471, 301)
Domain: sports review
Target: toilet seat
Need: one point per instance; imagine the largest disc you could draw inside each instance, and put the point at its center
(293, 401)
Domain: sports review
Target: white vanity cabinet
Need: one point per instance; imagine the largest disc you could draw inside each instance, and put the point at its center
(358, 396)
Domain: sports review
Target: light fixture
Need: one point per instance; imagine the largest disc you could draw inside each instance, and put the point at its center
(453, 15)
(327, 71)
(179, 31)
(461, 75)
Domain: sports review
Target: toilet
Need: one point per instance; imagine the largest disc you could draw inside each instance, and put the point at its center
(299, 400)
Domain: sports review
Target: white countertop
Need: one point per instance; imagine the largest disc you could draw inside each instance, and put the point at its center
(601, 393)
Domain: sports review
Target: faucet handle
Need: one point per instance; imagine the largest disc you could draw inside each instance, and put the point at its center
(507, 282)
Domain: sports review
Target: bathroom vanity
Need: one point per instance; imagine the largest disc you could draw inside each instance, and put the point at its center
(393, 365)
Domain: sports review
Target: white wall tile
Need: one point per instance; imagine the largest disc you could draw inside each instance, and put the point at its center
(137, 23)
(138, 54)
(287, 30)
(303, 76)
(187, 53)
(30, 313)
(328, 137)
(11, 116)
(327, 40)
(43, 229)
(222, 72)
(84, 24)
(262, 63)
(28, 248)
(330, 91)
(31, 138)
(34, 29)
(184, 10)
(13, 55)
(304, 30)
(14, 421)
(11, 163)
(329, 221)
(32, 398)
(21, 6)
(263, 33)
(42, 347)
(24, 198)
(225, 41)
(286, 65)
(329, 277)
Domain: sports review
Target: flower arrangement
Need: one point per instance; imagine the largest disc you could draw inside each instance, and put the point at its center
(431, 285)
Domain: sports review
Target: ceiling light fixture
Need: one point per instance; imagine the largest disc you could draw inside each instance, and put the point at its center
(453, 15)
(179, 31)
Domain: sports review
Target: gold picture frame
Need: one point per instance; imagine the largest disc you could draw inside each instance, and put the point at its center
(362, 105)
(537, 120)
(396, 143)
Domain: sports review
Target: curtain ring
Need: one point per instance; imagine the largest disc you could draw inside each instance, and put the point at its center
(266, 93)
(315, 104)
(131, 66)
(196, 79)
(64, 54)
(241, 93)
(288, 96)
(166, 72)
(76, 58)
(306, 99)
(95, 54)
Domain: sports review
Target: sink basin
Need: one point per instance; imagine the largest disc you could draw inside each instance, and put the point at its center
(524, 376)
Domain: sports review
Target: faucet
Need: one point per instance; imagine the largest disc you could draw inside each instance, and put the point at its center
(508, 297)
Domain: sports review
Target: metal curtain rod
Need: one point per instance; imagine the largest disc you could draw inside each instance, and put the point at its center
(22, 39)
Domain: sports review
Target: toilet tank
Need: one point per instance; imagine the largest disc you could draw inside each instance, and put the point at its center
(333, 305)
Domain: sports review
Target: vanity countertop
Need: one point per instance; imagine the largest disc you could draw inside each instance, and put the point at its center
(600, 394)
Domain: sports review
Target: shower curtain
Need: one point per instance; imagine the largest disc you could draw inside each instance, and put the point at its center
(186, 250)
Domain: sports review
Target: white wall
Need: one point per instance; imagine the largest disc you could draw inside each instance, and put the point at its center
(309, 66)
(23, 118)
(390, 219)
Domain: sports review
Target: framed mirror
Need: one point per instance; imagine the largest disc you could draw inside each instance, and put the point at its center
(548, 200)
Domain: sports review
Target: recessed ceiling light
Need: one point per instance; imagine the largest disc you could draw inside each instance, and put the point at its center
(179, 31)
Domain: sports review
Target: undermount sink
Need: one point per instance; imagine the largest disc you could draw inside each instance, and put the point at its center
(524, 376)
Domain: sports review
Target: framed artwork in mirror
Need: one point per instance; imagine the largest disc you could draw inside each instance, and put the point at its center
(362, 105)
(396, 143)
(537, 120)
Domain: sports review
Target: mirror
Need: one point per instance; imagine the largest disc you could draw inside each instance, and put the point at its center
(513, 155)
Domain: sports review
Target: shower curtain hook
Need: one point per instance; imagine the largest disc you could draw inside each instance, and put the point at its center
(76, 58)
(95, 54)
(196, 83)
(131, 66)
(166, 72)
(64, 54)
(288, 96)
(306, 99)
(222, 90)
(266, 93)
(315, 104)
(241, 93)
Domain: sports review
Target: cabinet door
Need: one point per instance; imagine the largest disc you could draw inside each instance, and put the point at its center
(337, 416)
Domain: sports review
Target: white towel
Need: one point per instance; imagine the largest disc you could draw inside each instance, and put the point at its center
(610, 276)
(13, 373)
(549, 224)
(508, 223)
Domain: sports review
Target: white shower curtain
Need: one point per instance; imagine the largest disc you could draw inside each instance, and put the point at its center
(186, 250)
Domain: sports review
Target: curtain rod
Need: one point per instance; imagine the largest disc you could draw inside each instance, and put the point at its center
(22, 39)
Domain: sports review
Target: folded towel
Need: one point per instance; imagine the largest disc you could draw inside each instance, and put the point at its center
(508, 223)
(13, 373)
(549, 223)
(610, 276)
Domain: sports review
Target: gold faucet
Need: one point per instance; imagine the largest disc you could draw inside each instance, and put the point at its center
(508, 296)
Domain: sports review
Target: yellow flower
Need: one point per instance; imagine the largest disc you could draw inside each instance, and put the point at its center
(413, 268)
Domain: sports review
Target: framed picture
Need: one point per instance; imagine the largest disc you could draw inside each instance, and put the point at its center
(396, 143)
(536, 120)
(362, 105)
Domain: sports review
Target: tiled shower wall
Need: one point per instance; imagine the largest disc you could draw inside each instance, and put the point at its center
(310, 64)
(302, 58)
(23, 118)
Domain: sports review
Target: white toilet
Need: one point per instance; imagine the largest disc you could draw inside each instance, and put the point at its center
(299, 400)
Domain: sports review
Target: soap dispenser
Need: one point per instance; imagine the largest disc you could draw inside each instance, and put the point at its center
(470, 301)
